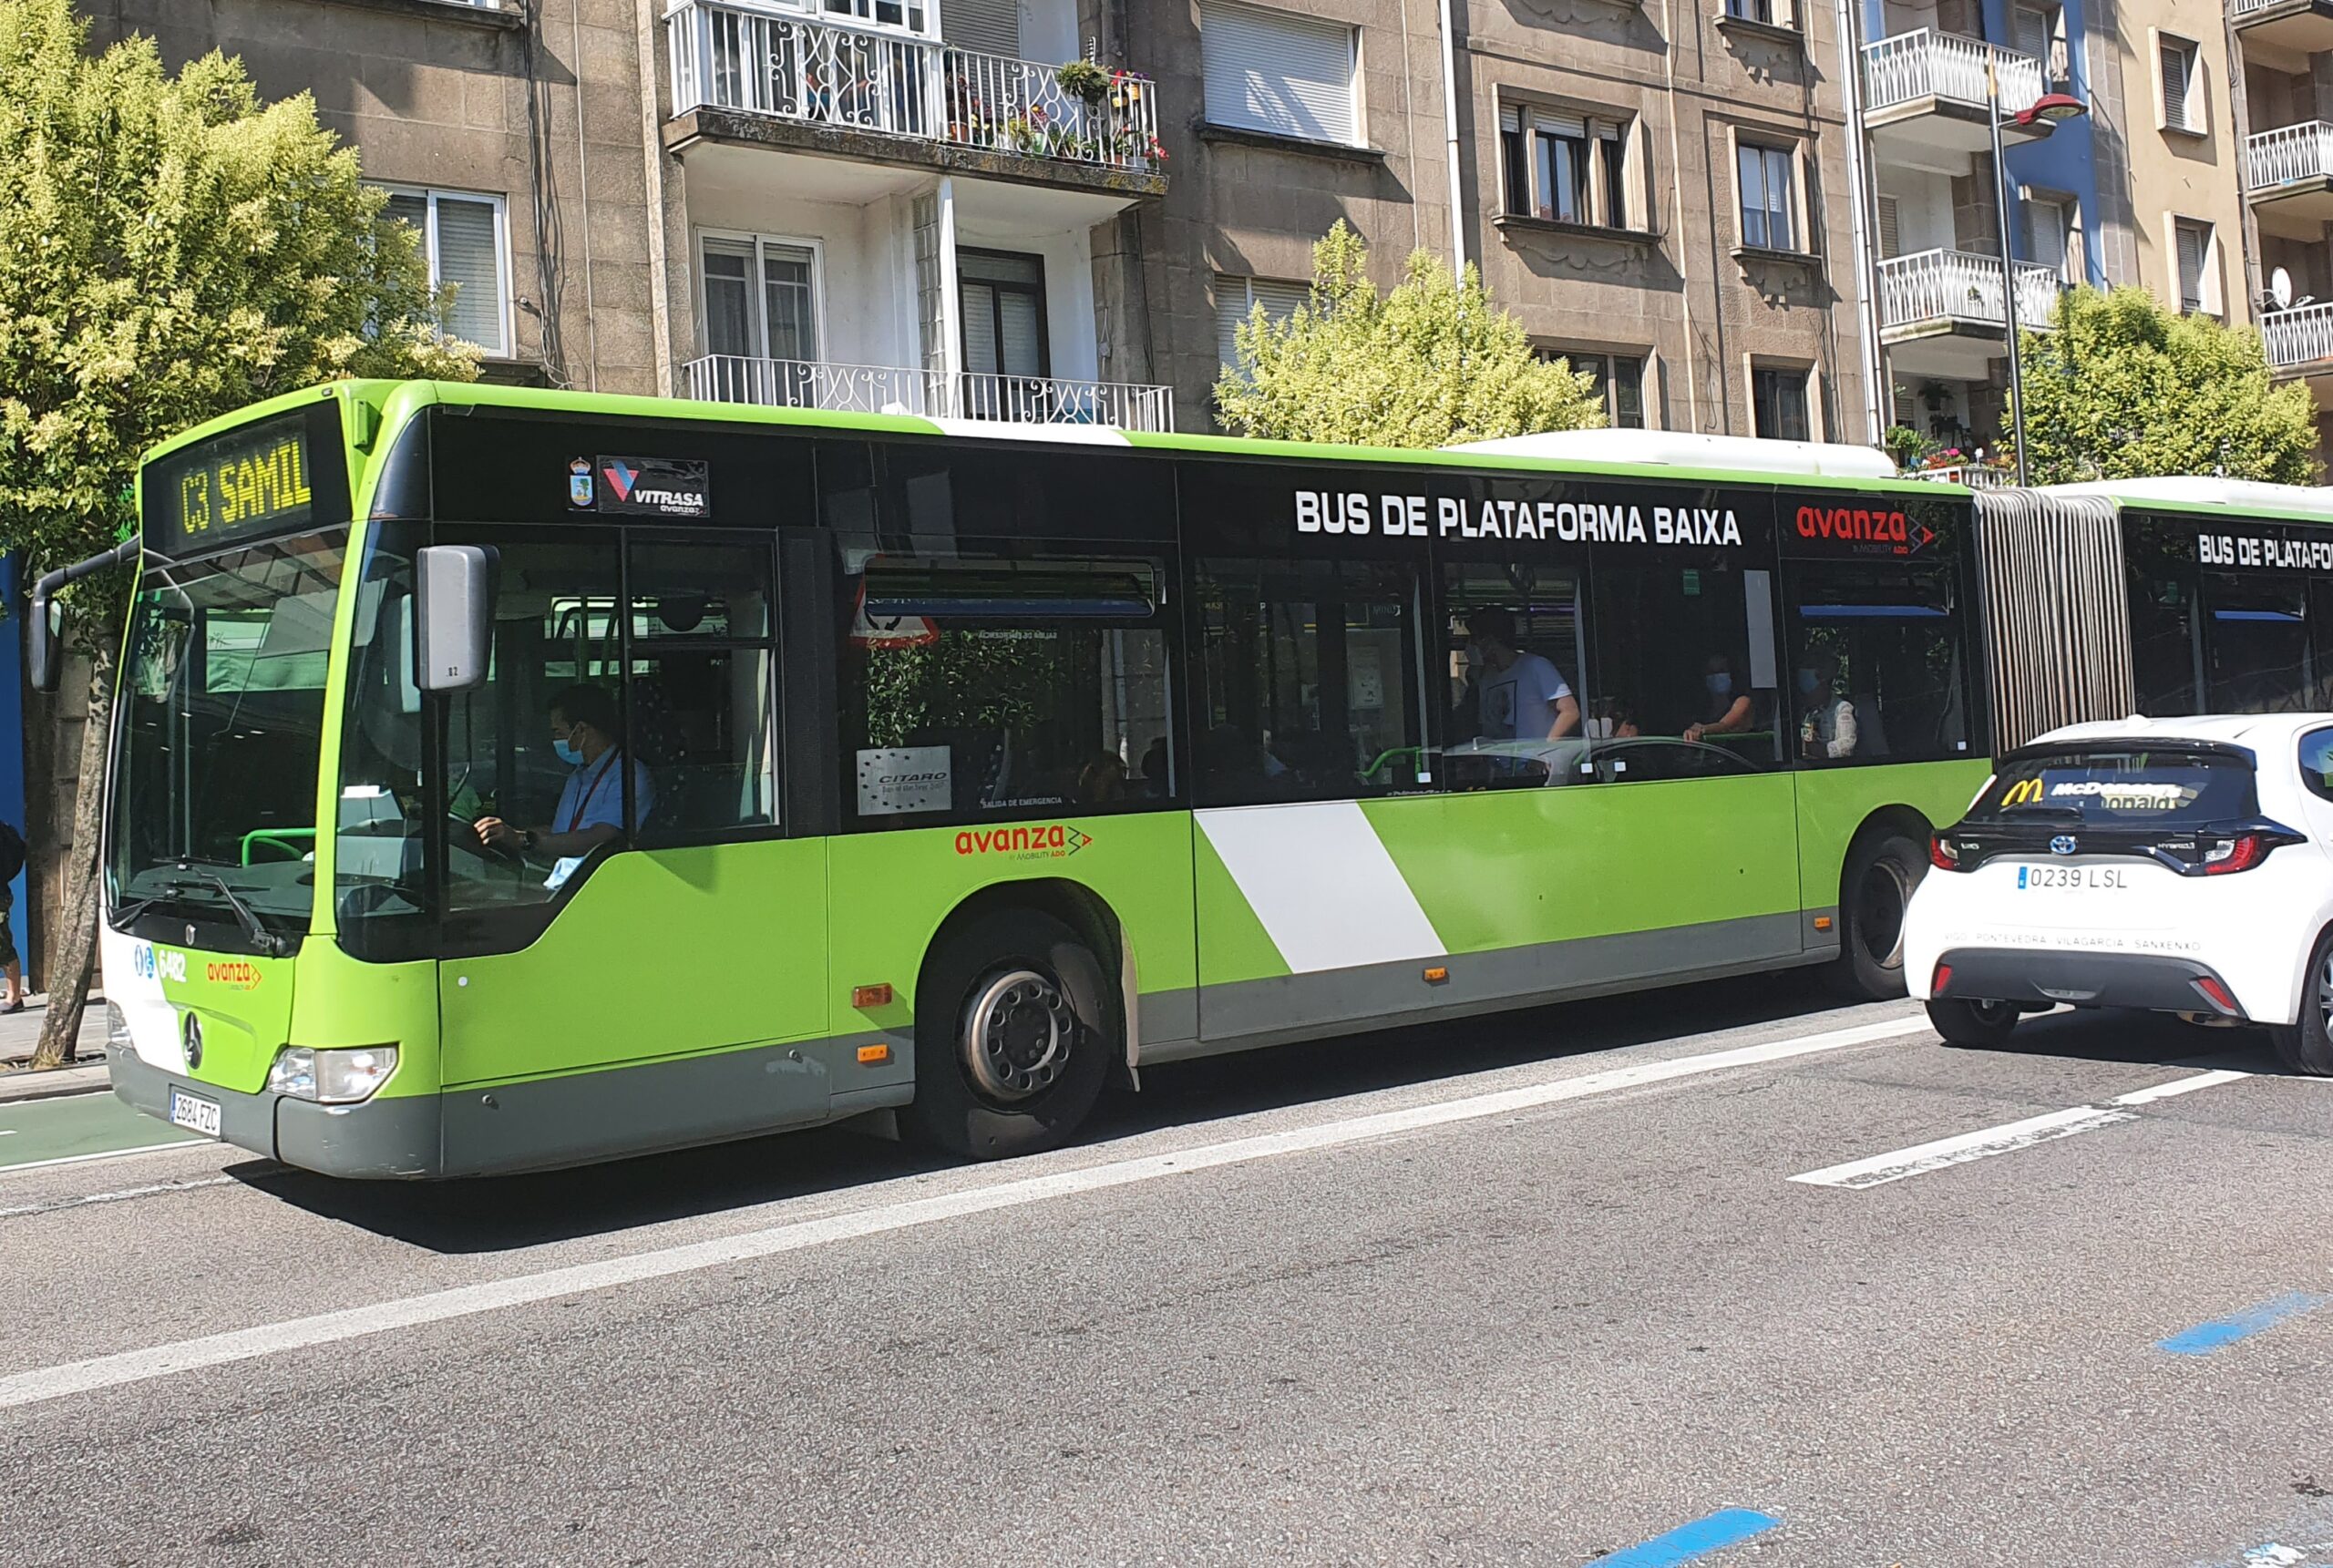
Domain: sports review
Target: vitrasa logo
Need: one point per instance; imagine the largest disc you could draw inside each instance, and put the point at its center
(151, 963)
(1865, 525)
(1050, 840)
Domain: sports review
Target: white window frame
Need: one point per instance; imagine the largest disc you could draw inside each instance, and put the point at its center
(1801, 236)
(2195, 106)
(1572, 354)
(1228, 118)
(760, 285)
(508, 348)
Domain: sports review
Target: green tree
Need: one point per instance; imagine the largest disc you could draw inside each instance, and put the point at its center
(1431, 363)
(2125, 388)
(171, 249)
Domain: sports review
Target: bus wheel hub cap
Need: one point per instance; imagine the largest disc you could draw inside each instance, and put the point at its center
(1018, 1036)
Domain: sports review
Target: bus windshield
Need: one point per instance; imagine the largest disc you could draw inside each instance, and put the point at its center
(218, 745)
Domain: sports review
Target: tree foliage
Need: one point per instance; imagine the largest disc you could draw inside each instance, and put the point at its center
(2125, 388)
(1430, 362)
(170, 249)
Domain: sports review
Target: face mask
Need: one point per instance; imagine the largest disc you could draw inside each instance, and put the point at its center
(1721, 685)
(567, 753)
(1808, 682)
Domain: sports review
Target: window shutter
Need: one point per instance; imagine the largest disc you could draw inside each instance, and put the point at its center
(1891, 240)
(469, 258)
(1233, 298)
(990, 26)
(2193, 242)
(1510, 118)
(1272, 71)
(411, 210)
(2045, 233)
(1560, 124)
(2174, 85)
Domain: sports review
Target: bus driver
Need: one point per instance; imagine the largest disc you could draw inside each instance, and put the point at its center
(1521, 696)
(584, 730)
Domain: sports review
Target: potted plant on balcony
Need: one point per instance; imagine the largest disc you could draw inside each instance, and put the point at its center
(1085, 80)
(1906, 446)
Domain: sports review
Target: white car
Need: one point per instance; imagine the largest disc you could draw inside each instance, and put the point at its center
(2181, 866)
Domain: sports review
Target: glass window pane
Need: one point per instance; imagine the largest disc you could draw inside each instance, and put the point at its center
(703, 723)
(729, 299)
(409, 209)
(1674, 658)
(982, 353)
(1753, 171)
(1877, 666)
(1022, 335)
(1309, 670)
(2256, 652)
(1628, 392)
(1511, 653)
(791, 309)
(469, 258)
(717, 593)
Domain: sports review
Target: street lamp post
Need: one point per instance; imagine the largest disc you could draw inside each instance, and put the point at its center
(2054, 109)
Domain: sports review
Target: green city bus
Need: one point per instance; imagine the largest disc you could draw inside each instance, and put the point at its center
(963, 773)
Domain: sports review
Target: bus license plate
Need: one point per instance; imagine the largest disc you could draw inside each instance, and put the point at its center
(194, 1113)
(2090, 878)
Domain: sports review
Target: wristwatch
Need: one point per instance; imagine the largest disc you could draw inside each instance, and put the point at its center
(527, 839)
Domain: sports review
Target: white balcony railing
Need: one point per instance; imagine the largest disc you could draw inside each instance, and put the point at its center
(892, 389)
(1923, 64)
(823, 72)
(1976, 476)
(1961, 286)
(2241, 8)
(2290, 155)
(2303, 335)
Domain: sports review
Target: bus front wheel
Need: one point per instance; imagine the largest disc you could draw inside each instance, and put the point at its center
(1881, 872)
(1016, 1026)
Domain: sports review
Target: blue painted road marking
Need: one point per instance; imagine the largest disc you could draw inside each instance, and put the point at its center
(1726, 1527)
(2207, 1338)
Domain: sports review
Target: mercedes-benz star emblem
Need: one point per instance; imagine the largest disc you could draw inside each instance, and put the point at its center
(2062, 844)
(190, 935)
(193, 1041)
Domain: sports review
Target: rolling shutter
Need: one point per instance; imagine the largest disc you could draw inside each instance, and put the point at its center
(1233, 298)
(2194, 241)
(469, 258)
(1273, 71)
(2178, 66)
(990, 26)
(1891, 238)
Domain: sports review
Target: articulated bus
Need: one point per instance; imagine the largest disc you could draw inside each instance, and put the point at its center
(956, 775)
(2164, 596)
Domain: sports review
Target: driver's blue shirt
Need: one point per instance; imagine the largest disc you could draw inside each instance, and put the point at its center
(594, 797)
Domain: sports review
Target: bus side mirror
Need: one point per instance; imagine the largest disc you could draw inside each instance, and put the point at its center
(453, 596)
(44, 640)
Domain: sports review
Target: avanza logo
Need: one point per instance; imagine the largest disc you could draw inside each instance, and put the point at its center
(1863, 525)
(237, 975)
(1051, 841)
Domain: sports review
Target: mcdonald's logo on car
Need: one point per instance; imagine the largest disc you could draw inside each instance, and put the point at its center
(2024, 792)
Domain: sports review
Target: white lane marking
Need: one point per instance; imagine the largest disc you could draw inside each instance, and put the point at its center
(108, 1154)
(9, 1132)
(1321, 884)
(2179, 1086)
(1978, 1145)
(2005, 1139)
(495, 1296)
(124, 1195)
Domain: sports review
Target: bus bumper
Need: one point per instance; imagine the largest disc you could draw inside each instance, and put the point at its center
(384, 1138)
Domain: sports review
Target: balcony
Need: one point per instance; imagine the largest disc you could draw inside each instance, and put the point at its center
(1942, 314)
(935, 395)
(1924, 94)
(825, 86)
(2288, 175)
(1974, 476)
(2300, 339)
(2302, 26)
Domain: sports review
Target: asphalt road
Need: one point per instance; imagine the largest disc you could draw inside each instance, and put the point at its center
(1533, 1291)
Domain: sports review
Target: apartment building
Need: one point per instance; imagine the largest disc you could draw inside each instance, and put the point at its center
(2284, 102)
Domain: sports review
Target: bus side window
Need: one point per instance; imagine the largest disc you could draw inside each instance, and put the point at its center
(1878, 666)
(1308, 682)
(1514, 651)
(1678, 645)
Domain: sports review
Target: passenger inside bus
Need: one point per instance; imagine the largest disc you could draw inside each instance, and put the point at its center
(585, 728)
(1827, 727)
(1728, 708)
(1517, 696)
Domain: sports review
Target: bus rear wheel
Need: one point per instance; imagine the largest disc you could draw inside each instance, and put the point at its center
(1881, 872)
(1016, 1026)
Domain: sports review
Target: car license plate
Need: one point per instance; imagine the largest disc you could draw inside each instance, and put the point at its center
(194, 1113)
(2074, 879)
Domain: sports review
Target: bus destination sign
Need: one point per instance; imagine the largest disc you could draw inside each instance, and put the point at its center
(246, 485)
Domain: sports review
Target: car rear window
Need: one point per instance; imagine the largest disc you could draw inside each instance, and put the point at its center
(2122, 787)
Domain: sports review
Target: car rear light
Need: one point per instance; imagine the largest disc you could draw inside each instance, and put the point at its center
(1943, 979)
(2238, 846)
(1942, 853)
(2217, 993)
(2242, 853)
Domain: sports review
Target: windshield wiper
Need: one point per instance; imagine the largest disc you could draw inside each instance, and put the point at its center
(266, 941)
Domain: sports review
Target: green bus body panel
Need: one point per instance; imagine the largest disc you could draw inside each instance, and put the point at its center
(893, 890)
(1834, 802)
(659, 953)
(1233, 944)
(1507, 868)
(245, 1005)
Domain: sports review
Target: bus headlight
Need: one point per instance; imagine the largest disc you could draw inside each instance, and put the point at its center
(331, 1076)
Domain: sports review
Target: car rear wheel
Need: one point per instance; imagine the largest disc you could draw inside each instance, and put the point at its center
(1984, 1026)
(2306, 1044)
(1881, 872)
(1016, 1026)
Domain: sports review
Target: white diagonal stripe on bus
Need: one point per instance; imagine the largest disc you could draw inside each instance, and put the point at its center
(45, 1383)
(1322, 884)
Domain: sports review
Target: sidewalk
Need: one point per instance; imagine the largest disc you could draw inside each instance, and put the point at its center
(20, 1033)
